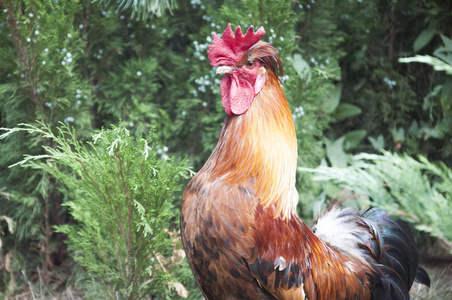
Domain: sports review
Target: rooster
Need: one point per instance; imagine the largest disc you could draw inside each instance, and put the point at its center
(239, 226)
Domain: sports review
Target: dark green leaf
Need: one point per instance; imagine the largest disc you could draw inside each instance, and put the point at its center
(331, 101)
(346, 110)
(423, 39)
(301, 66)
(353, 138)
(377, 143)
(335, 152)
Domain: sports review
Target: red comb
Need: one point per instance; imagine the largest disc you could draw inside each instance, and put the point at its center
(231, 48)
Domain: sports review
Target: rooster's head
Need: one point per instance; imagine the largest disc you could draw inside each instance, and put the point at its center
(244, 60)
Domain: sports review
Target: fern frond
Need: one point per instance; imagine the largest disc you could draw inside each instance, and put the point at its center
(417, 191)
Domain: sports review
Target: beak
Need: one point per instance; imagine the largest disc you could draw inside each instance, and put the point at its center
(224, 70)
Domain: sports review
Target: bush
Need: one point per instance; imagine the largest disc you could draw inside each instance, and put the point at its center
(122, 199)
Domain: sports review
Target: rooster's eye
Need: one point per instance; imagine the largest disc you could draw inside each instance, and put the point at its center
(250, 64)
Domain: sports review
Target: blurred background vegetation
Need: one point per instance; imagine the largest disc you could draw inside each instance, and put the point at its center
(118, 103)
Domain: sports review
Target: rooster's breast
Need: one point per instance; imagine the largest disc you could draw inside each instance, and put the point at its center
(217, 229)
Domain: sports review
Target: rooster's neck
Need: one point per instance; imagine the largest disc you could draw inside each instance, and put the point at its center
(261, 145)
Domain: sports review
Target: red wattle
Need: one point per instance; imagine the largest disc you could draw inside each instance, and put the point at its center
(236, 94)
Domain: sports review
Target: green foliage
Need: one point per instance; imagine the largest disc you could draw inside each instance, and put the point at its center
(417, 191)
(441, 95)
(143, 9)
(122, 199)
(39, 64)
(39, 80)
(398, 108)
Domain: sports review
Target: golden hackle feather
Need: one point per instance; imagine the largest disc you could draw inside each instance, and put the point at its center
(263, 141)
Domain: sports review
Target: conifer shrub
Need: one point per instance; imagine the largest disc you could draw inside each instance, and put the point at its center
(121, 195)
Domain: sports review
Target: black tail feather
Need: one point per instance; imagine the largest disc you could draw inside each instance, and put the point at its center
(389, 285)
(422, 277)
(398, 267)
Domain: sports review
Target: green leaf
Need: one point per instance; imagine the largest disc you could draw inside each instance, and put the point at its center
(335, 152)
(377, 143)
(445, 52)
(444, 55)
(398, 134)
(428, 102)
(447, 41)
(446, 94)
(359, 85)
(423, 39)
(346, 110)
(332, 190)
(430, 132)
(301, 66)
(331, 101)
(437, 64)
(353, 138)
(414, 129)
